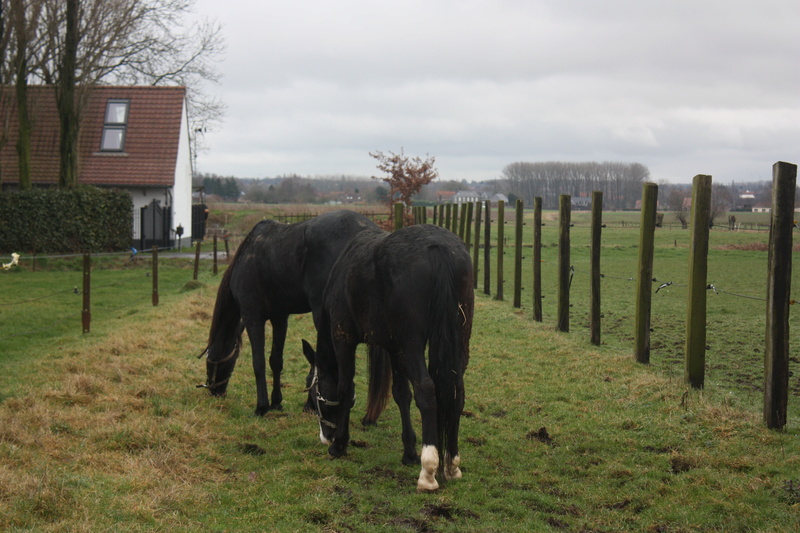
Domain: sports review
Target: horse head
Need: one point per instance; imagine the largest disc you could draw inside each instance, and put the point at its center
(321, 389)
(218, 371)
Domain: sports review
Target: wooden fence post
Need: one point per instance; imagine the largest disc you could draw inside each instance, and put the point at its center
(476, 250)
(779, 277)
(86, 313)
(597, 225)
(564, 216)
(537, 259)
(155, 275)
(468, 225)
(487, 249)
(440, 221)
(398, 216)
(448, 216)
(462, 227)
(518, 256)
(695, 350)
(215, 255)
(454, 220)
(644, 281)
(196, 259)
(501, 222)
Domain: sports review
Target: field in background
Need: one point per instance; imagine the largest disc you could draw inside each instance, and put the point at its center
(107, 431)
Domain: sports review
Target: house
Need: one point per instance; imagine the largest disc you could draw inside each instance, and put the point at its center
(131, 138)
(466, 197)
(499, 197)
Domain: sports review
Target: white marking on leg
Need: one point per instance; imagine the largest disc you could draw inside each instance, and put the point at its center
(322, 437)
(429, 458)
(451, 467)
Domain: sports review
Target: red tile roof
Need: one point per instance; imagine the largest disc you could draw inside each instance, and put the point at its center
(151, 140)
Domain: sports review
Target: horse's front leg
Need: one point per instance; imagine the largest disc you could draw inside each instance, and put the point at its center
(279, 327)
(345, 391)
(256, 333)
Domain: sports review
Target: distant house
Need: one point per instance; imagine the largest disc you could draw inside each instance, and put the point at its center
(465, 197)
(499, 197)
(131, 138)
(762, 208)
(444, 196)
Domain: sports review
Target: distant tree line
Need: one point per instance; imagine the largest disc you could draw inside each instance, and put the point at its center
(227, 188)
(621, 183)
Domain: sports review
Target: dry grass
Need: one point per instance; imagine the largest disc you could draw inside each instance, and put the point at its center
(114, 416)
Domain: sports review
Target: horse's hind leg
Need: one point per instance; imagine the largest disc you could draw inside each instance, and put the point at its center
(255, 330)
(279, 327)
(402, 397)
(452, 461)
(425, 398)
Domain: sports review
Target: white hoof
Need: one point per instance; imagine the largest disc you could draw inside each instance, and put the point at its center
(451, 467)
(429, 459)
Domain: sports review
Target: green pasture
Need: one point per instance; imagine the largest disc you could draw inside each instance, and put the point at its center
(107, 432)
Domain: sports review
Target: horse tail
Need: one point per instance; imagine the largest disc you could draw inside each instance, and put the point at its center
(380, 384)
(450, 316)
(226, 328)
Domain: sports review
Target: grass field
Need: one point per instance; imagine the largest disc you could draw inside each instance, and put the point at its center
(107, 431)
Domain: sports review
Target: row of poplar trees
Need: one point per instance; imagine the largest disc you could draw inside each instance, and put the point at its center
(74, 45)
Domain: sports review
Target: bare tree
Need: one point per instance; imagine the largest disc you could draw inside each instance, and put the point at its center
(125, 42)
(720, 201)
(406, 175)
(24, 17)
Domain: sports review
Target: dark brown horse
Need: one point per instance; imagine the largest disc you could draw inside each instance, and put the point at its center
(279, 270)
(400, 291)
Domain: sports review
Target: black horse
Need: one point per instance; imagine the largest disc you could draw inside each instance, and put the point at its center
(279, 270)
(401, 291)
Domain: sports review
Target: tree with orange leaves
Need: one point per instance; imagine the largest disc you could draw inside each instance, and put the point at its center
(406, 175)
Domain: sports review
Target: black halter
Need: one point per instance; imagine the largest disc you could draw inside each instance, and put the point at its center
(321, 399)
(212, 381)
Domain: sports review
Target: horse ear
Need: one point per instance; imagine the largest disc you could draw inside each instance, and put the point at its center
(309, 352)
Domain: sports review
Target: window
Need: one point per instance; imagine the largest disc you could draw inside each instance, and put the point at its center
(116, 122)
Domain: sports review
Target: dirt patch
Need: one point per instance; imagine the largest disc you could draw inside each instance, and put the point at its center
(541, 435)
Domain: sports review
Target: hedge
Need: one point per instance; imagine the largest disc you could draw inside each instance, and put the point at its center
(46, 221)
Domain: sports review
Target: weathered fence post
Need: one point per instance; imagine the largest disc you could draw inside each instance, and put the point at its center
(468, 225)
(448, 216)
(779, 277)
(564, 216)
(487, 249)
(398, 216)
(86, 313)
(196, 259)
(476, 250)
(215, 255)
(518, 256)
(501, 222)
(537, 259)
(155, 275)
(644, 281)
(594, 306)
(454, 221)
(695, 351)
(462, 228)
(440, 222)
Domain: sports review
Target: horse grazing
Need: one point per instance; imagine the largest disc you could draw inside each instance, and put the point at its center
(400, 291)
(278, 270)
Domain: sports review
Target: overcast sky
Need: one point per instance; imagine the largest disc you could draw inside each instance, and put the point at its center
(684, 87)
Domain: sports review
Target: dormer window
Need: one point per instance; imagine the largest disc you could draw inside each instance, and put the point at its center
(116, 122)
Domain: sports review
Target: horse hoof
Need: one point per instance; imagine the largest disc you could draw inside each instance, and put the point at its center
(409, 459)
(276, 407)
(261, 411)
(368, 422)
(337, 451)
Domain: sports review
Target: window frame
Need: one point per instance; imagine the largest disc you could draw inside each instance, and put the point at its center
(111, 125)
